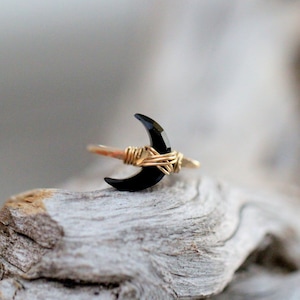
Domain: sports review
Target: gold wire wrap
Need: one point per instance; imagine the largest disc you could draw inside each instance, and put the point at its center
(147, 156)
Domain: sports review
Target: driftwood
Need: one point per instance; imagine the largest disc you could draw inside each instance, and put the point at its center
(191, 237)
(182, 239)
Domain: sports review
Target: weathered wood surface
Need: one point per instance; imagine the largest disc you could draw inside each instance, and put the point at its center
(180, 239)
(221, 83)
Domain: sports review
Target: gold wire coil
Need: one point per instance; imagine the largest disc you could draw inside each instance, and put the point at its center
(147, 156)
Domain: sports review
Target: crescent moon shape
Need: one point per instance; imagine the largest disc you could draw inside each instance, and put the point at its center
(148, 176)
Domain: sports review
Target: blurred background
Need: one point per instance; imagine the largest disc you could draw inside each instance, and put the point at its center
(221, 77)
(63, 66)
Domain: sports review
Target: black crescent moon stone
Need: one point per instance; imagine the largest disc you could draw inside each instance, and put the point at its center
(148, 176)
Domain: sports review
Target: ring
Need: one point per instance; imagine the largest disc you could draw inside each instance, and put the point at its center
(156, 160)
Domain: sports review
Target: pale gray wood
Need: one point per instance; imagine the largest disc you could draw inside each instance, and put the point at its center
(181, 239)
(260, 284)
(219, 81)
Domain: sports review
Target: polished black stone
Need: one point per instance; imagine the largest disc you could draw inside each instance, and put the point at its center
(158, 138)
(148, 176)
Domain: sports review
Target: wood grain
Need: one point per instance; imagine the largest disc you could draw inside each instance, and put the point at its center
(182, 239)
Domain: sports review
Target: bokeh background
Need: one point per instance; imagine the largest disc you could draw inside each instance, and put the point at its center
(63, 67)
(221, 76)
